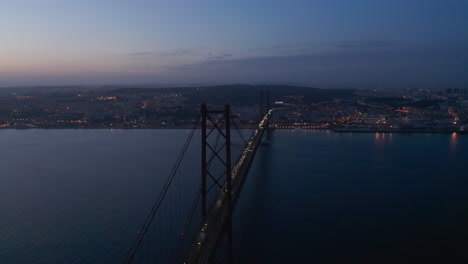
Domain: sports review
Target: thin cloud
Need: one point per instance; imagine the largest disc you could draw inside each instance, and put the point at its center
(368, 44)
(220, 56)
(393, 67)
(180, 54)
(143, 53)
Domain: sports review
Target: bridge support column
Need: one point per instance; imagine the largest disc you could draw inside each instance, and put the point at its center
(227, 114)
(203, 159)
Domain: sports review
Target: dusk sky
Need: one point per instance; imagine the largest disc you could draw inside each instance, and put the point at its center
(324, 43)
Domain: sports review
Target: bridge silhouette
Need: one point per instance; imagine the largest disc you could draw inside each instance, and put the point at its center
(191, 220)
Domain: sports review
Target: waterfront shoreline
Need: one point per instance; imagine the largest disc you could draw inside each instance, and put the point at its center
(252, 127)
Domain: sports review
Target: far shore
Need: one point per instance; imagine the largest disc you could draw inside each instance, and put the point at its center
(339, 130)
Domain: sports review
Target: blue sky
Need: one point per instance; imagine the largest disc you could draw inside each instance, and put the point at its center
(326, 43)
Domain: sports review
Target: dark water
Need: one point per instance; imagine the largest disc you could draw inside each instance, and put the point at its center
(78, 196)
(321, 197)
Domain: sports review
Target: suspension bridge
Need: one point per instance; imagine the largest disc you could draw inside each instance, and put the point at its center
(191, 220)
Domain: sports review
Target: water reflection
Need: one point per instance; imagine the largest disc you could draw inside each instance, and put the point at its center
(379, 138)
(453, 142)
(382, 138)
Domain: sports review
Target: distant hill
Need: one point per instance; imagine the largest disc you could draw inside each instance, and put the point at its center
(242, 94)
(236, 94)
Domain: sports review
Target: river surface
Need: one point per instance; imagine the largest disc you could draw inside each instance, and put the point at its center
(78, 196)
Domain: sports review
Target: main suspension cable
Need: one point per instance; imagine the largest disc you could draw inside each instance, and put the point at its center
(141, 234)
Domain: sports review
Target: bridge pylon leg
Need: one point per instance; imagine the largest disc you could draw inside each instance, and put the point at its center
(204, 170)
(227, 114)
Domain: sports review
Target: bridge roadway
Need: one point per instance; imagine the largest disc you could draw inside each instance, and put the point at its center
(212, 228)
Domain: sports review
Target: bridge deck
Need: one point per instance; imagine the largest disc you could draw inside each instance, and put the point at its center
(213, 227)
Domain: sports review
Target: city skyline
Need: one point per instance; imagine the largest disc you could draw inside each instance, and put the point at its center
(348, 44)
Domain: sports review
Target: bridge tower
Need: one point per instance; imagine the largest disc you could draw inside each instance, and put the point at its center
(220, 121)
(264, 108)
(264, 102)
(226, 181)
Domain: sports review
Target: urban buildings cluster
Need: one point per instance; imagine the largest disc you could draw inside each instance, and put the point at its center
(430, 110)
